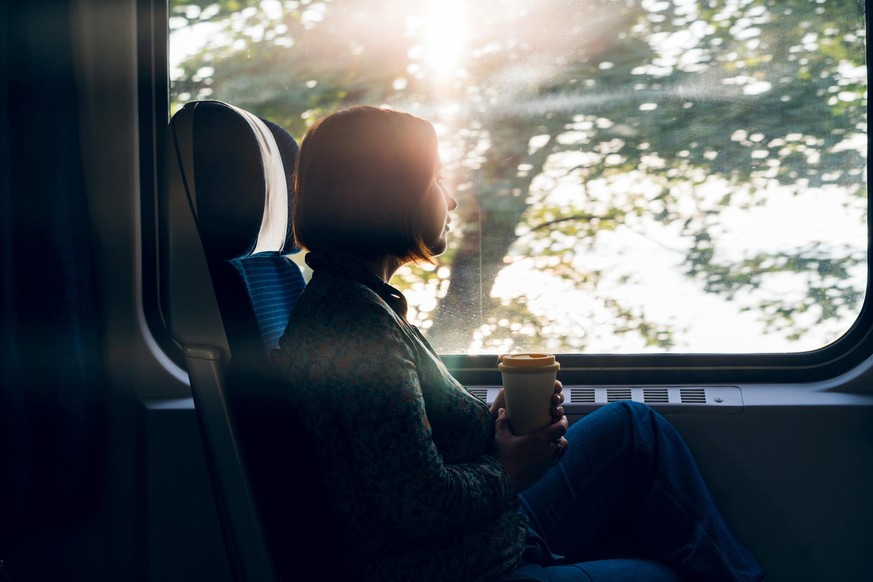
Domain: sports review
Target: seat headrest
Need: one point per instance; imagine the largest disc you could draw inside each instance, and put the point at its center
(240, 195)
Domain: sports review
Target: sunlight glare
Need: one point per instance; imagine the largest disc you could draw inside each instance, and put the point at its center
(445, 35)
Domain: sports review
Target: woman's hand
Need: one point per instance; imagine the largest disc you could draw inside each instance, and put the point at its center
(527, 457)
(557, 400)
(499, 402)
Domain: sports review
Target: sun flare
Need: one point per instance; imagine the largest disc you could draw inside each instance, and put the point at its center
(445, 35)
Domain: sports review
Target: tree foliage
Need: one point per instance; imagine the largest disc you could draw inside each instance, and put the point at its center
(569, 121)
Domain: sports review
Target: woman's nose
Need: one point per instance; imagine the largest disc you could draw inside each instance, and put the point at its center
(451, 203)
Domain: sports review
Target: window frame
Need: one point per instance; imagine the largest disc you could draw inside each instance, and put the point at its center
(830, 361)
(153, 94)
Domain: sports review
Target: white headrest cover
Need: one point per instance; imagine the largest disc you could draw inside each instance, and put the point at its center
(274, 224)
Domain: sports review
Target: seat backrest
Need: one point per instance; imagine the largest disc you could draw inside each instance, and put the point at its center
(227, 292)
(229, 179)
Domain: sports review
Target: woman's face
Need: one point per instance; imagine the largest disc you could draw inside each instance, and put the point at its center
(434, 216)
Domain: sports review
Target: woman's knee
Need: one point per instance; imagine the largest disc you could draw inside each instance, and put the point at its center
(623, 425)
(637, 413)
(622, 417)
(644, 422)
(634, 407)
(643, 414)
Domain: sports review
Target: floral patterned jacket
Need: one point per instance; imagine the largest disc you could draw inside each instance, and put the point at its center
(405, 446)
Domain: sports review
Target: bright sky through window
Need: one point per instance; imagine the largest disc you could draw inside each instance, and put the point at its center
(446, 35)
(650, 176)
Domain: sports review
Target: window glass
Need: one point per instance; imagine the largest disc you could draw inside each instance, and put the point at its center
(632, 176)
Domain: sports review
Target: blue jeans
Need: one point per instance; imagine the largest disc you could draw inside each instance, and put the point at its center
(627, 502)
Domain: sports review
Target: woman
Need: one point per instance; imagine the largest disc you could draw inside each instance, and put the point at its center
(428, 482)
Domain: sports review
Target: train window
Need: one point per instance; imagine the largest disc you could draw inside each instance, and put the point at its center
(633, 177)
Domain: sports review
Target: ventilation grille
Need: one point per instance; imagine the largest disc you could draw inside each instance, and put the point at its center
(598, 395)
(656, 395)
(726, 399)
(582, 396)
(614, 394)
(478, 391)
(692, 395)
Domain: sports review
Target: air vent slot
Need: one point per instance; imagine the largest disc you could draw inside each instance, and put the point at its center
(582, 396)
(669, 399)
(614, 394)
(692, 395)
(656, 395)
(481, 393)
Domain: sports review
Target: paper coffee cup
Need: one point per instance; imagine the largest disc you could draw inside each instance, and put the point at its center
(528, 385)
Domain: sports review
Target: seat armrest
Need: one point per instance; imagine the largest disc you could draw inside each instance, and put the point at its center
(244, 536)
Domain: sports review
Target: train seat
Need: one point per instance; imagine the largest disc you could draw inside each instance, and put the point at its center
(228, 289)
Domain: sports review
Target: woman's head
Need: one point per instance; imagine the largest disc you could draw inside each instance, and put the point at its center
(364, 184)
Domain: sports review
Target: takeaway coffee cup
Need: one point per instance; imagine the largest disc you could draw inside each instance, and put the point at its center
(528, 385)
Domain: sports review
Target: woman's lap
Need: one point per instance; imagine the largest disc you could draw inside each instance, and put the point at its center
(626, 570)
(589, 494)
(628, 488)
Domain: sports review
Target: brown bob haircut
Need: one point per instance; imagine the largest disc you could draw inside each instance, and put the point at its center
(360, 176)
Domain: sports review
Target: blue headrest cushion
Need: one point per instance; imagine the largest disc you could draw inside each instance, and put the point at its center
(274, 283)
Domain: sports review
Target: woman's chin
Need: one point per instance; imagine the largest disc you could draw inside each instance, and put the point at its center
(438, 247)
